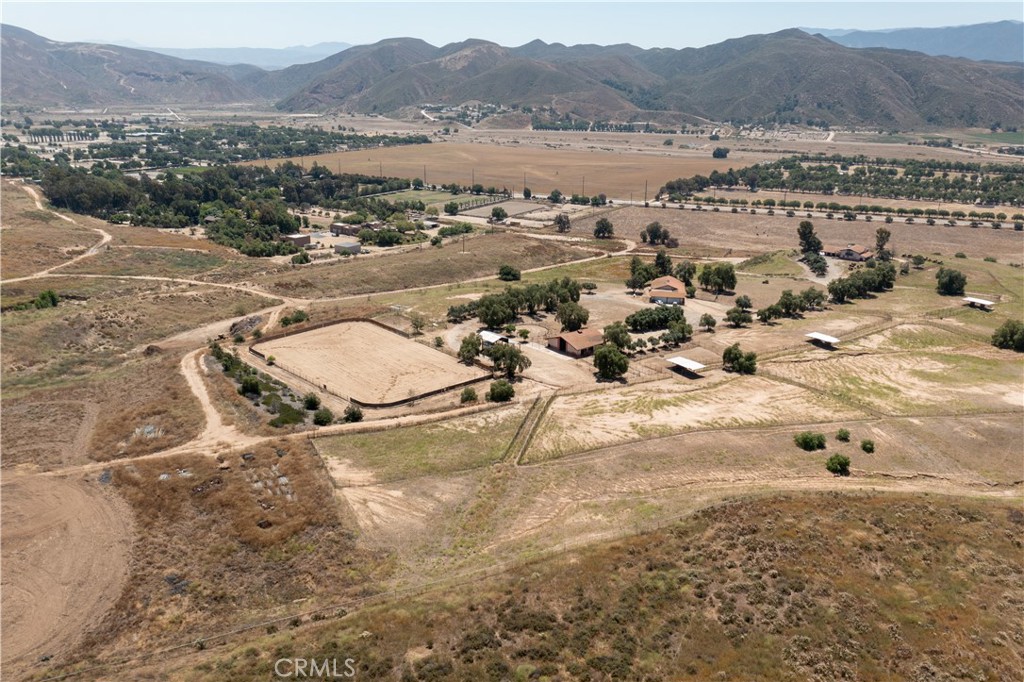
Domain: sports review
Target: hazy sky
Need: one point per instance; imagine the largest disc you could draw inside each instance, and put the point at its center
(654, 24)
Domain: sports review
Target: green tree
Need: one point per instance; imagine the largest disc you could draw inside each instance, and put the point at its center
(812, 299)
(685, 272)
(501, 391)
(882, 236)
(604, 229)
(527, 193)
(720, 152)
(572, 316)
(301, 258)
(662, 263)
(352, 414)
(867, 445)
(838, 465)
(470, 348)
(734, 359)
(418, 322)
(707, 321)
(918, 261)
(809, 241)
(562, 222)
(452, 208)
(555, 197)
(718, 277)
(743, 302)
(843, 435)
(610, 362)
(324, 416)
(738, 317)
(468, 395)
(498, 214)
(507, 273)
(311, 401)
(950, 282)
(1009, 335)
(508, 359)
(617, 335)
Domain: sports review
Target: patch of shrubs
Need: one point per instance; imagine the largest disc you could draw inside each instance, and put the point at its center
(838, 465)
(867, 445)
(352, 414)
(468, 395)
(501, 391)
(323, 417)
(294, 318)
(807, 440)
(843, 435)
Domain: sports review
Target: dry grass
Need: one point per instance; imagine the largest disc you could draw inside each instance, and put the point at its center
(151, 261)
(221, 547)
(726, 592)
(34, 240)
(98, 320)
(102, 413)
(484, 254)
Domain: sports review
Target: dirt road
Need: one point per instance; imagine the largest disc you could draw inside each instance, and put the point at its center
(65, 557)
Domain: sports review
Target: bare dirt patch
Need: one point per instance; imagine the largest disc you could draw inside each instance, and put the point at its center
(366, 362)
(65, 555)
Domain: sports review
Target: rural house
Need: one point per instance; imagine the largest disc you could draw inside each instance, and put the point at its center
(296, 239)
(669, 290)
(579, 343)
(854, 252)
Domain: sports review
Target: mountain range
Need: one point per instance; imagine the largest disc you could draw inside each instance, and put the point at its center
(999, 41)
(787, 76)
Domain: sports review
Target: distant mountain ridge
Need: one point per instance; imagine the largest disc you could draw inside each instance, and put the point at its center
(788, 77)
(1000, 41)
(267, 58)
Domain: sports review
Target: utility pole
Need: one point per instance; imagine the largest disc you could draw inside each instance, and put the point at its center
(583, 191)
(645, 192)
(381, 168)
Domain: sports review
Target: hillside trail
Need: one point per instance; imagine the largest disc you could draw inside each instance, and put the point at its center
(105, 238)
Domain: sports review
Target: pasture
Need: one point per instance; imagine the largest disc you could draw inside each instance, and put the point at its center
(367, 363)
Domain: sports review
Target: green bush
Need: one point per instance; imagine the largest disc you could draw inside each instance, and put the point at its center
(1010, 336)
(311, 401)
(287, 415)
(468, 395)
(501, 391)
(323, 417)
(843, 435)
(250, 386)
(353, 414)
(867, 445)
(806, 440)
(838, 465)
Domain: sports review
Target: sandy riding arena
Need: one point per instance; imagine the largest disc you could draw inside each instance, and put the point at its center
(368, 363)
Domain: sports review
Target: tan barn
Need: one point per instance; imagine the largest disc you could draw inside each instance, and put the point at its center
(578, 343)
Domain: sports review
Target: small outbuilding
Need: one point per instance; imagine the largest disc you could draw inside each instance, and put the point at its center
(979, 303)
(819, 339)
(668, 290)
(351, 248)
(296, 239)
(688, 366)
(580, 343)
(491, 338)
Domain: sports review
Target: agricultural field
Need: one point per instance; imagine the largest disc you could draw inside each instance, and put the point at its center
(367, 363)
(617, 173)
(717, 234)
